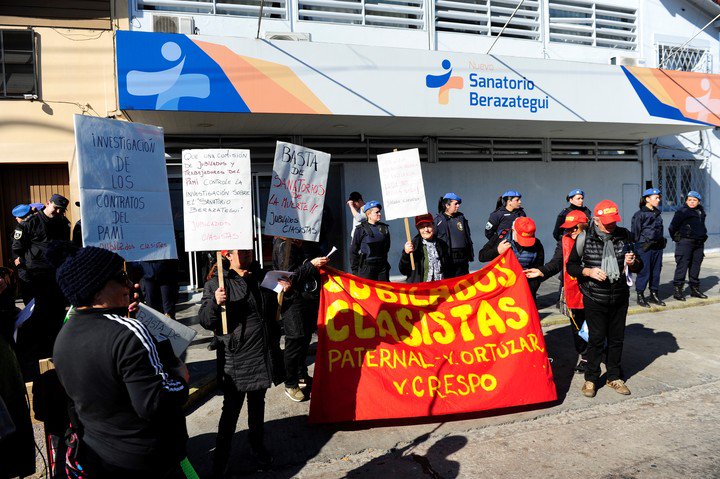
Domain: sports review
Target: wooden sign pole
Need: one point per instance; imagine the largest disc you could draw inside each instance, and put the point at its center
(221, 284)
(407, 231)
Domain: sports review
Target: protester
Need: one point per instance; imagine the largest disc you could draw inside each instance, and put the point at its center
(527, 248)
(688, 230)
(576, 200)
(126, 388)
(160, 285)
(355, 204)
(647, 232)
(575, 223)
(21, 213)
(245, 353)
(370, 245)
(507, 209)
(600, 270)
(453, 228)
(431, 254)
(299, 311)
(77, 231)
(36, 338)
(17, 444)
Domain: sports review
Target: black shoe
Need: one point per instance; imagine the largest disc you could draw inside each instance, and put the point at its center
(696, 293)
(653, 298)
(262, 456)
(679, 294)
(581, 366)
(641, 301)
(305, 382)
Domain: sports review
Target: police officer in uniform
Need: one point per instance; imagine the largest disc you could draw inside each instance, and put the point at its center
(452, 227)
(370, 246)
(508, 208)
(22, 213)
(687, 229)
(576, 200)
(647, 232)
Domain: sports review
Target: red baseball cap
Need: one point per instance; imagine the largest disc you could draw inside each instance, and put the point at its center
(525, 231)
(573, 219)
(426, 218)
(608, 212)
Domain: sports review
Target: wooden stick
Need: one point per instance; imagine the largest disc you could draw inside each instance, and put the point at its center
(286, 261)
(221, 284)
(407, 231)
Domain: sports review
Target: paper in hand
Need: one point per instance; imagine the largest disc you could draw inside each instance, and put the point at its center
(273, 278)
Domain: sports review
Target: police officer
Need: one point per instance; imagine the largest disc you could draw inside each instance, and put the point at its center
(576, 200)
(370, 245)
(22, 213)
(647, 232)
(508, 208)
(452, 227)
(687, 229)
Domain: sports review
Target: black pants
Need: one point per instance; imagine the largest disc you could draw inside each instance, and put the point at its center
(296, 351)
(575, 325)
(232, 404)
(458, 269)
(377, 271)
(160, 295)
(606, 321)
(299, 323)
(689, 254)
(98, 468)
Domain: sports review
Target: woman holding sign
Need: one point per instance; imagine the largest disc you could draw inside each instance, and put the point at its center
(370, 245)
(432, 258)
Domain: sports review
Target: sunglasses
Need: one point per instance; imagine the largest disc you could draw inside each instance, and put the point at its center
(122, 278)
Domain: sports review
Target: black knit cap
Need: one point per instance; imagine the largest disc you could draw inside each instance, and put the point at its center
(85, 272)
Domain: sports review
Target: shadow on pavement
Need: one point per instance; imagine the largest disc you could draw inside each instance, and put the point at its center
(560, 348)
(644, 345)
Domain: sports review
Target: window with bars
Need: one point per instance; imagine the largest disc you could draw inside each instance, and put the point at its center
(385, 13)
(577, 150)
(18, 64)
(592, 23)
(676, 178)
(241, 8)
(489, 149)
(487, 17)
(686, 59)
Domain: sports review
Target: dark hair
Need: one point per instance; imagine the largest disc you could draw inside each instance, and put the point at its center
(500, 202)
(355, 196)
(442, 203)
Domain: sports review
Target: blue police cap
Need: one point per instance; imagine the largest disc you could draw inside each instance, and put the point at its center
(695, 194)
(452, 196)
(21, 211)
(371, 204)
(37, 206)
(651, 191)
(511, 194)
(574, 192)
(60, 200)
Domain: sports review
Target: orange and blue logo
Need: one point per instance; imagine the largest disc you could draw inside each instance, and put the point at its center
(444, 83)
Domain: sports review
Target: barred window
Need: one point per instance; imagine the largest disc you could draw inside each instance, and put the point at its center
(592, 23)
(18, 64)
(685, 59)
(676, 178)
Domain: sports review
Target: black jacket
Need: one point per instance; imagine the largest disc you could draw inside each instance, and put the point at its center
(420, 255)
(32, 238)
(370, 243)
(244, 354)
(489, 252)
(647, 229)
(501, 219)
(603, 291)
(557, 230)
(460, 225)
(688, 223)
(555, 265)
(125, 393)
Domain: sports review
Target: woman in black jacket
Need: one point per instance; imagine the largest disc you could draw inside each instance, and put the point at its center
(453, 229)
(647, 233)
(507, 210)
(432, 259)
(245, 354)
(688, 230)
(576, 202)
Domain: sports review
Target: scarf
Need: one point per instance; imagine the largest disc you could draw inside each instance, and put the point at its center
(609, 259)
(434, 271)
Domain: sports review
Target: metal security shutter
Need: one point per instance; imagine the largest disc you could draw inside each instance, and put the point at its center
(240, 8)
(578, 150)
(591, 23)
(487, 17)
(388, 13)
(489, 149)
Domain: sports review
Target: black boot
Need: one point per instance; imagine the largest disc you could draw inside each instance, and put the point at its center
(696, 293)
(641, 301)
(654, 299)
(679, 294)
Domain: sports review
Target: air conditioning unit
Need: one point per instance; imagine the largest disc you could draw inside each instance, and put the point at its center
(173, 24)
(627, 61)
(291, 36)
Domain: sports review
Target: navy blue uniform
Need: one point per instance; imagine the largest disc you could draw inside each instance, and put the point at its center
(455, 232)
(501, 219)
(369, 251)
(557, 230)
(647, 233)
(687, 229)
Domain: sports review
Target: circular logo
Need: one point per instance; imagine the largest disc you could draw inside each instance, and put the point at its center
(459, 226)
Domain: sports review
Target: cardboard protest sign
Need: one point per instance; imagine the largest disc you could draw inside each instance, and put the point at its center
(297, 192)
(391, 350)
(161, 327)
(217, 199)
(124, 198)
(401, 180)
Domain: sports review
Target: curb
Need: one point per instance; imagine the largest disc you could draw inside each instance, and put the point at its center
(205, 387)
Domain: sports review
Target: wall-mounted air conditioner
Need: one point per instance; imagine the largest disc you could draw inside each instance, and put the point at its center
(627, 61)
(173, 24)
(290, 36)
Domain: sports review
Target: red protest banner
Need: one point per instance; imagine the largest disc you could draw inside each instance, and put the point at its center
(389, 350)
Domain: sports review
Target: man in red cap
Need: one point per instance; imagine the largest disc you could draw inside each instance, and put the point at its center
(432, 257)
(601, 272)
(527, 248)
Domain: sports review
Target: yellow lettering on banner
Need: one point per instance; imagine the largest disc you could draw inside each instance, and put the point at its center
(480, 354)
(336, 307)
(489, 382)
(449, 384)
(333, 356)
(415, 301)
(507, 304)
(403, 297)
(433, 386)
(360, 356)
(369, 358)
(510, 276)
(360, 331)
(513, 349)
(385, 295)
(385, 359)
(487, 317)
(417, 392)
(534, 341)
(464, 290)
(333, 284)
(524, 345)
(386, 326)
(440, 292)
(415, 338)
(504, 348)
(443, 386)
(347, 358)
(466, 357)
(399, 358)
(427, 340)
(449, 335)
(491, 284)
(462, 382)
(361, 291)
(400, 387)
(463, 312)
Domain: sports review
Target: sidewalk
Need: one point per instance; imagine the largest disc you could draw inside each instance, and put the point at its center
(201, 361)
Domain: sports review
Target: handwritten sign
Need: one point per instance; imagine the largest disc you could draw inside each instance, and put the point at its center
(124, 198)
(402, 185)
(297, 192)
(161, 327)
(217, 202)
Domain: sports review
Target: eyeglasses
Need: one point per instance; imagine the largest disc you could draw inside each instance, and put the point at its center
(122, 278)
